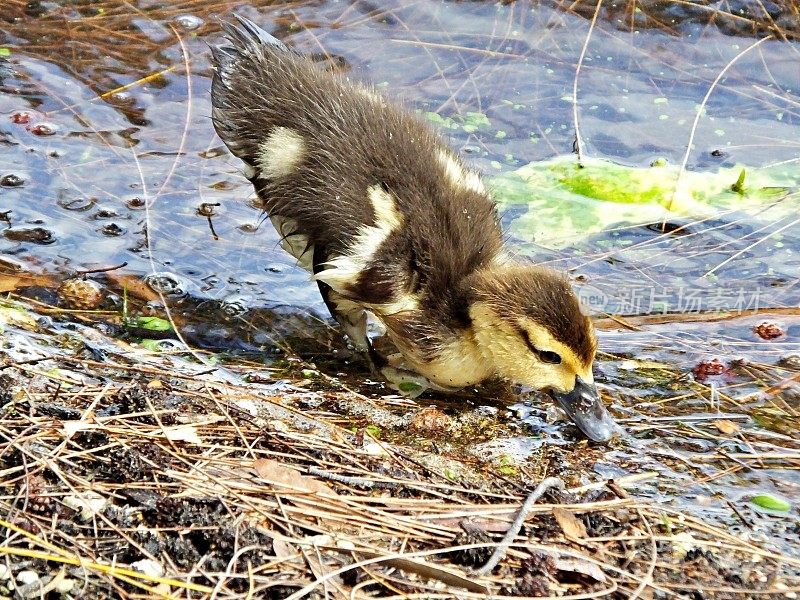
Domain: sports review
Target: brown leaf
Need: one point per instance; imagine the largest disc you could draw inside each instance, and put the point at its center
(571, 525)
(727, 427)
(283, 550)
(579, 565)
(136, 288)
(9, 283)
(289, 479)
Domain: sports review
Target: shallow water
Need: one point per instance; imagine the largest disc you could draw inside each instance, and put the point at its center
(86, 185)
(104, 117)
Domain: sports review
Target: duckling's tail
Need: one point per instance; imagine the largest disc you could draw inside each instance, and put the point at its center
(246, 38)
(245, 47)
(250, 35)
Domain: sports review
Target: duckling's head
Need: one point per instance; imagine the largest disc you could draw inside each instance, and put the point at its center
(527, 322)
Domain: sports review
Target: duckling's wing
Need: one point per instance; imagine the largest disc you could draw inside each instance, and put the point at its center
(307, 137)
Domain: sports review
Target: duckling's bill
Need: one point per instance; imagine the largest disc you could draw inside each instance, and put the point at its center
(583, 405)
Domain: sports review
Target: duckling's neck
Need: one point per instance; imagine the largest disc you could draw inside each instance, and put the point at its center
(446, 345)
(457, 363)
(481, 333)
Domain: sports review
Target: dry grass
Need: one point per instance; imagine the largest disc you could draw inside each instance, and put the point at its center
(237, 490)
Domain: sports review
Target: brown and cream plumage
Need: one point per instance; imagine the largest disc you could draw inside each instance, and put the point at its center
(389, 221)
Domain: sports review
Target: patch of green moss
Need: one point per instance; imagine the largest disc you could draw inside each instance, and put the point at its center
(152, 323)
(505, 465)
(469, 122)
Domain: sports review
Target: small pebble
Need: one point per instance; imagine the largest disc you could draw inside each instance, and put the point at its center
(65, 586)
(27, 577)
(374, 449)
(149, 567)
(554, 414)
(87, 503)
(790, 361)
(11, 180)
(112, 230)
(82, 294)
(189, 22)
(5, 572)
(167, 283)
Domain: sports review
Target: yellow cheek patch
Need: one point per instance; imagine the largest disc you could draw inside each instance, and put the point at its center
(571, 364)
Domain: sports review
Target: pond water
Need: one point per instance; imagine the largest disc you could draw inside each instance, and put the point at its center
(109, 157)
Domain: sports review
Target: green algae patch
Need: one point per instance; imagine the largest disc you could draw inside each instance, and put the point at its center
(152, 324)
(507, 466)
(567, 201)
(469, 122)
(770, 503)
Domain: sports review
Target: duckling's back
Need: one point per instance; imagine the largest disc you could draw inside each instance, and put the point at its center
(363, 185)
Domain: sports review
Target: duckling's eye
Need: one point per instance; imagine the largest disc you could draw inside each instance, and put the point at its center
(545, 356)
(549, 357)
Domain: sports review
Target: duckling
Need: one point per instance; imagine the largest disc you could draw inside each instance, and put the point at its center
(390, 222)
